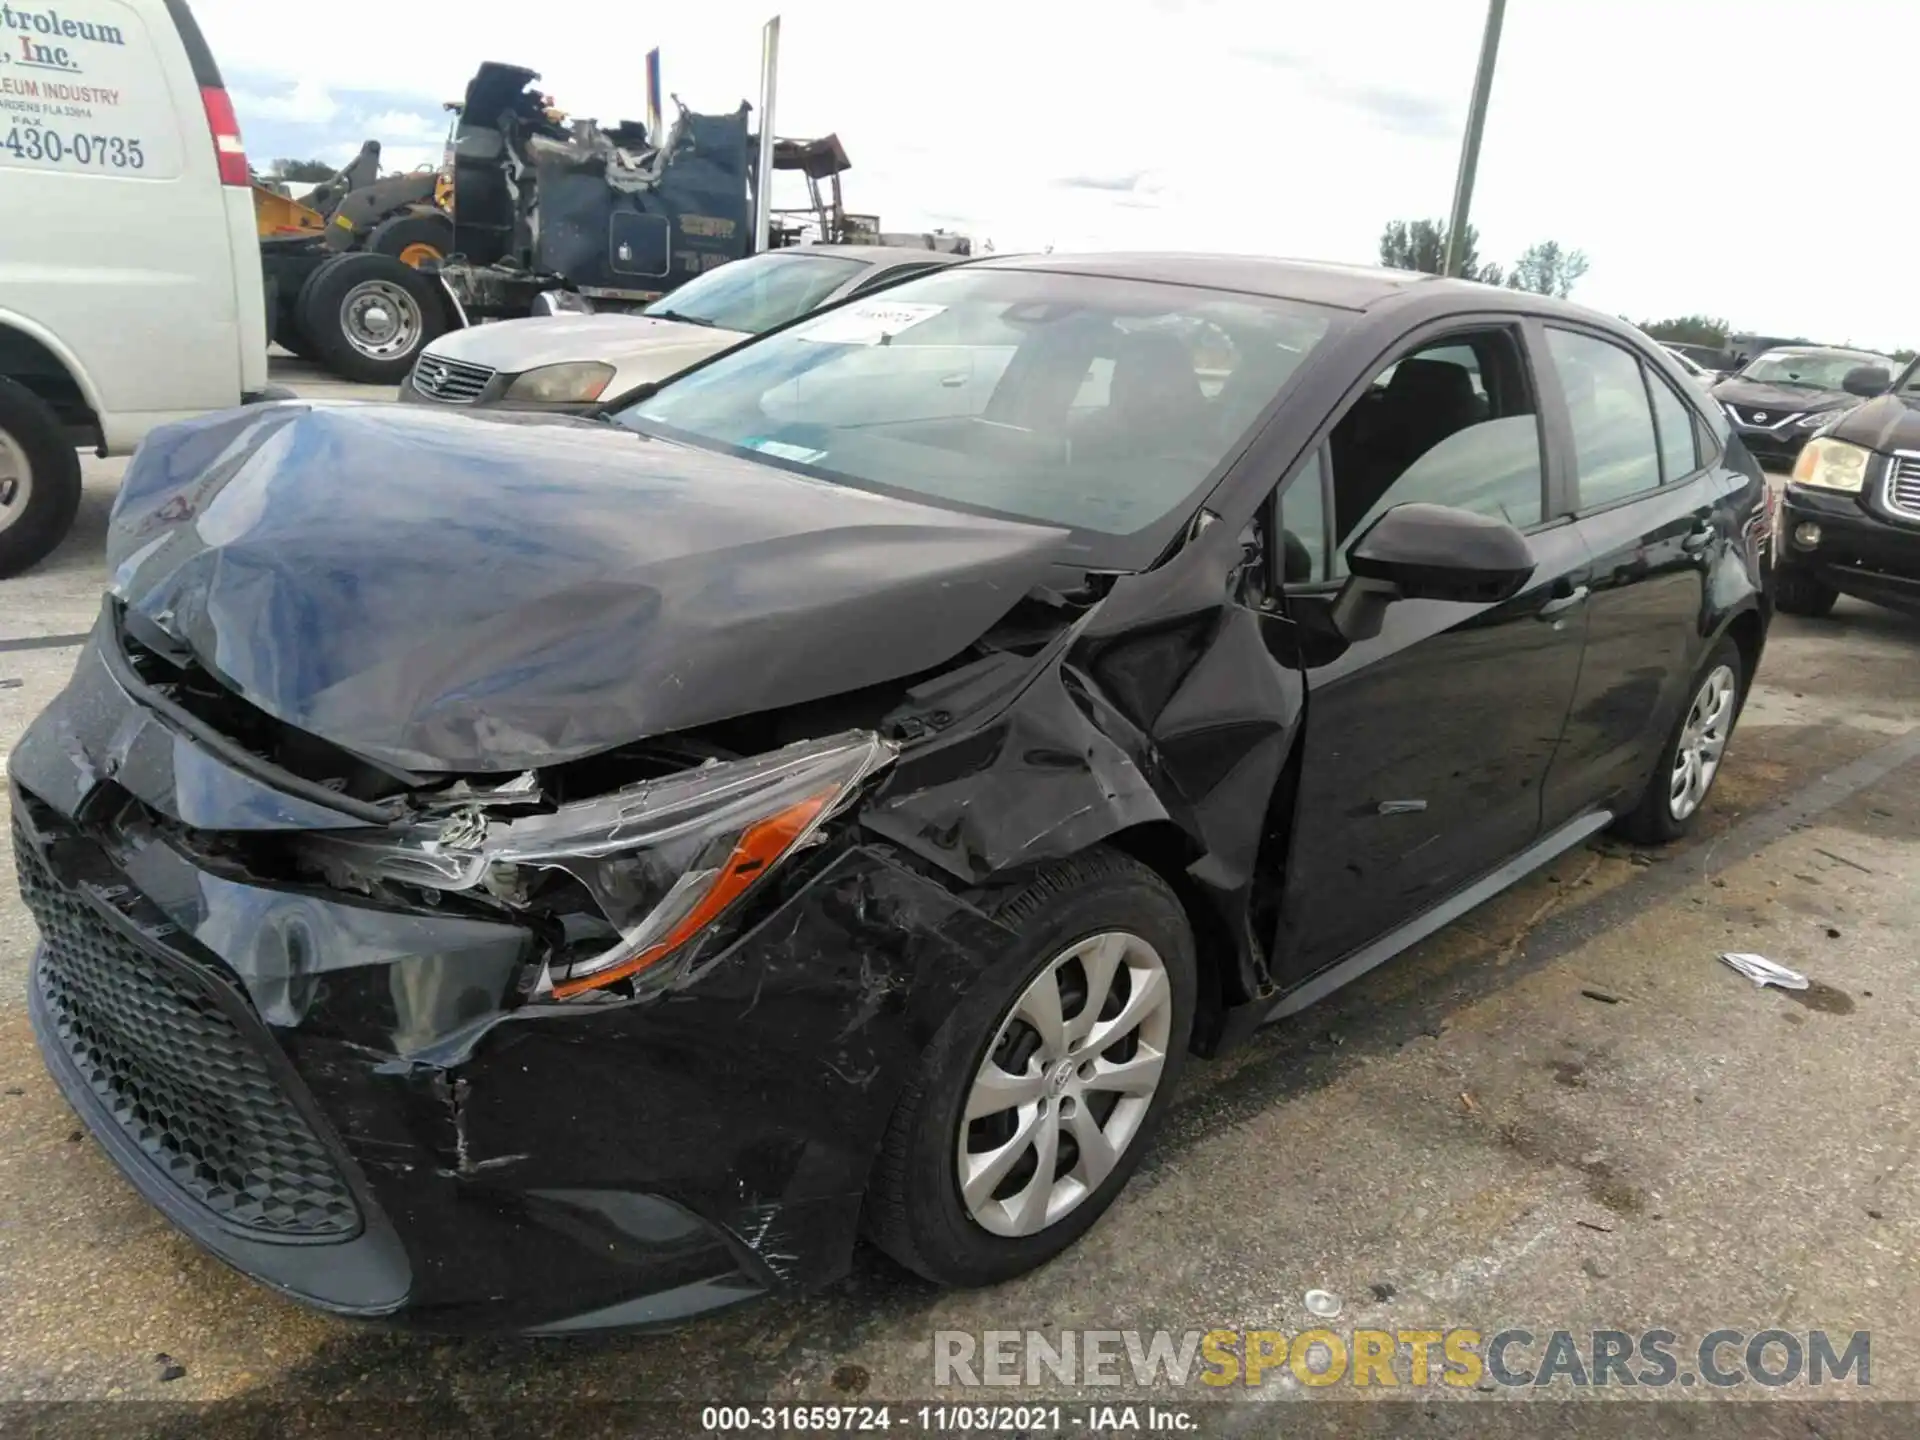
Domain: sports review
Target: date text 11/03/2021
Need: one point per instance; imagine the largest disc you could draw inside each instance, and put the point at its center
(961, 1419)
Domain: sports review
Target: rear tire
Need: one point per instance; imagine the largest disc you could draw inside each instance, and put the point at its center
(1081, 1112)
(1795, 592)
(413, 239)
(1657, 818)
(368, 317)
(39, 479)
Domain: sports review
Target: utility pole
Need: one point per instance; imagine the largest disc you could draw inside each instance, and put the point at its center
(763, 172)
(1470, 147)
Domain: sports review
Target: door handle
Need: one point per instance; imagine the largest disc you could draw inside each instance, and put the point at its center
(1560, 604)
(953, 382)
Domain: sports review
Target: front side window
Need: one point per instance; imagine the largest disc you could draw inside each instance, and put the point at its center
(1910, 382)
(1449, 424)
(754, 295)
(1074, 400)
(1616, 452)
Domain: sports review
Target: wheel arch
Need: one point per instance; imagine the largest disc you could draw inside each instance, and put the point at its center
(1747, 628)
(35, 359)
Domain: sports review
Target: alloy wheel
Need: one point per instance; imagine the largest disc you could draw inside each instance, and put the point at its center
(1702, 742)
(1066, 1084)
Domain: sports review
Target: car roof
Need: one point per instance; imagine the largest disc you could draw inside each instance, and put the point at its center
(1314, 282)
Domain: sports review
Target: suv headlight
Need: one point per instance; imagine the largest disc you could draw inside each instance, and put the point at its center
(578, 382)
(1817, 419)
(661, 861)
(1833, 465)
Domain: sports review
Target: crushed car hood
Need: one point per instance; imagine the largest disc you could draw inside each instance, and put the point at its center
(455, 592)
(1890, 423)
(624, 341)
(1782, 400)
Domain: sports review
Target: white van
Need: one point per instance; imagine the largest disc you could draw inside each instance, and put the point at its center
(130, 286)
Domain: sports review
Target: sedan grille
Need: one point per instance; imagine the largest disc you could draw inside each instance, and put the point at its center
(1903, 485)
(1761, 415)
(453, 382)
(175, 1072)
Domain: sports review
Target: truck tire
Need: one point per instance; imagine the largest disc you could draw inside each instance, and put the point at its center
(39, 479)
(413, 239)
(368, 317)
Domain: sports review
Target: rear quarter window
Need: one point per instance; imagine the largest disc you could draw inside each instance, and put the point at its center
(84, 91)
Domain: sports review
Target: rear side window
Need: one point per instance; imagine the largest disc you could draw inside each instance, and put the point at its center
(1616, 450)
(1679, 439)
(84, 90)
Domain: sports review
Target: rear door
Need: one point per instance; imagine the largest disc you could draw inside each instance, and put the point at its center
(124, 252)
(1644, 501)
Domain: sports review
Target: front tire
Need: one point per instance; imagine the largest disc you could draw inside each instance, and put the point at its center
(39, 479)
(1690, 760)
(1040, 1094)
(1795, 592)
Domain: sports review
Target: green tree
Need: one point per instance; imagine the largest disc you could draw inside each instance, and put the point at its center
(1422, 245)
(1905, 357)
(1547, 269)
(304, 171)
(1689, 330)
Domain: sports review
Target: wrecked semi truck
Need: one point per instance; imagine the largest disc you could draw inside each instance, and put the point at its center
(546, 206)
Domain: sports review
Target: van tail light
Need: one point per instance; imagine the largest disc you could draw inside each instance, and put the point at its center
(228, 148)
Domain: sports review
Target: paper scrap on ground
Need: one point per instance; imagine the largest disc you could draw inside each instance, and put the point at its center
(1763, 971)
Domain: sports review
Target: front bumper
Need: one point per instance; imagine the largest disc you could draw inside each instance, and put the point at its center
(1864, 550)
(1775, 449)
(407, 1137)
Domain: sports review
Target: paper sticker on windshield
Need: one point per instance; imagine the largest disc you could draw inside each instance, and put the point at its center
(873, 323)
(780, 450)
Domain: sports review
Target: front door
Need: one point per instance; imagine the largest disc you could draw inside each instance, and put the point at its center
(1425, 748)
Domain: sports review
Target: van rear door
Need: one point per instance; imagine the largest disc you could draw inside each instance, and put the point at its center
(130, 243)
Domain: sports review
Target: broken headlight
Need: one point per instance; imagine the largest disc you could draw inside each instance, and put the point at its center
(661, 861)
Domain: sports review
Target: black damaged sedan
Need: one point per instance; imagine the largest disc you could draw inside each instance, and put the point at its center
(548, 874)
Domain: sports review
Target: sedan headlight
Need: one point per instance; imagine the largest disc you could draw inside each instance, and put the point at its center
(579, 382)
(1833, 465)
(661, 861)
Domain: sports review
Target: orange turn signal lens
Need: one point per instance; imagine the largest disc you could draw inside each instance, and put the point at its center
(759, 848)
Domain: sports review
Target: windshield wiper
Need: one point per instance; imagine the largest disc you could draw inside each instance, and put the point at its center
(688, 319)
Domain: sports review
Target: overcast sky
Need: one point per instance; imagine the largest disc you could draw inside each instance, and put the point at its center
(1753, 162)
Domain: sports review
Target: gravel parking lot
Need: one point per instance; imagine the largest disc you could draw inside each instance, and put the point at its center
(1561, 1113)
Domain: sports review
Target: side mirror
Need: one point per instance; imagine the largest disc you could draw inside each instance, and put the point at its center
(1867, 381)
(1429, 552)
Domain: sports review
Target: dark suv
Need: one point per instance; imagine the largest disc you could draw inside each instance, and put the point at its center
(1850, 521)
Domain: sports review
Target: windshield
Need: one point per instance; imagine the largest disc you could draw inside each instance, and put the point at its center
(754, 295)
(1091, 403)
(1808, 369)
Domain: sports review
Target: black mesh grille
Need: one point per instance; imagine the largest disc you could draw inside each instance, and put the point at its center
(178, 1076)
